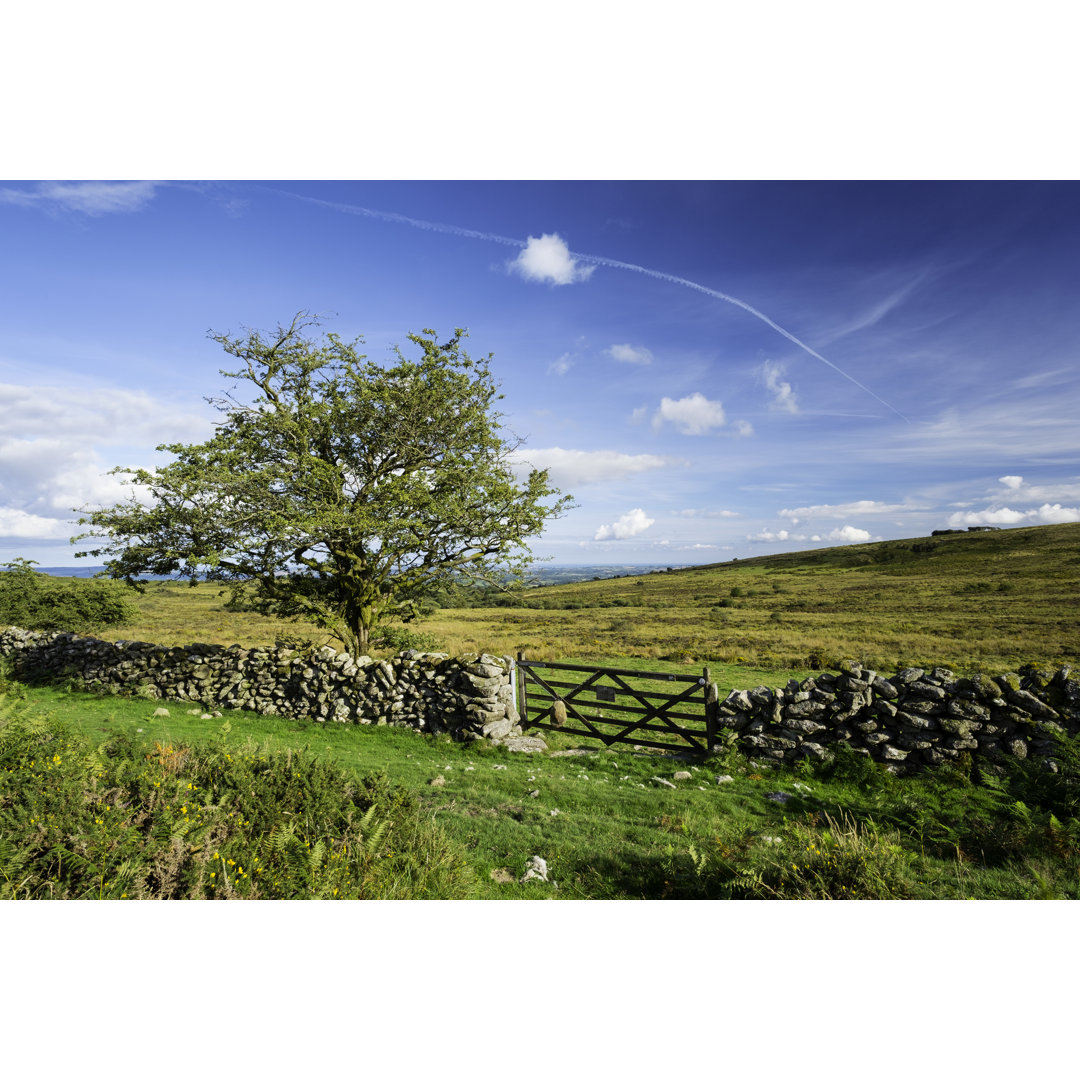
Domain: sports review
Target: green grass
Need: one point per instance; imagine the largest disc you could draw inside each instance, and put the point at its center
(114, 815)
(972, 602)
(606, 824)
(610, 829)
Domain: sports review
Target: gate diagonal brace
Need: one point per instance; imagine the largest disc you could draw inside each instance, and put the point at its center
(652, 711)
(657, 711)
(549, 712)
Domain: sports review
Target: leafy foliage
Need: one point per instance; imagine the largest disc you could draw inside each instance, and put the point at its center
(36, 601)
(118, 822)
(343, 490)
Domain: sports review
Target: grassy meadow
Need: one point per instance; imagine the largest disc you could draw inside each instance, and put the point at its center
(971, 601)
(101, 797)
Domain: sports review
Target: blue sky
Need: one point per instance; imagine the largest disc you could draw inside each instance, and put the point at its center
(713, 370)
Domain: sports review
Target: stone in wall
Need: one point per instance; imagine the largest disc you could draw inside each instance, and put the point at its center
(914, 719)
(427, 691)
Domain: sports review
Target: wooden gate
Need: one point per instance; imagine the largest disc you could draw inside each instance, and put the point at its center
(618, 705)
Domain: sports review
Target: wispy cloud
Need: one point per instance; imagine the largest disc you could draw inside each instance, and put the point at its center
(783, 396)
(630, 524)
(767, 536)
(569, 468)
(560, 366)
(51, 446)
(1046, 514)
(19, 525)
(93, 198)
(691, 415)
(843, 510)
(548, 259)
(877, 311)
(630, 354)
(707, 513)
(848, 534)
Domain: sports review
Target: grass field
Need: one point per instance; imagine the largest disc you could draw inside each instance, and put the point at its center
(619, 824)
(610, 825)
(973, 601)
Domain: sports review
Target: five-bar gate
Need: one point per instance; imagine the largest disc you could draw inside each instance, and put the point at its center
(618, 705)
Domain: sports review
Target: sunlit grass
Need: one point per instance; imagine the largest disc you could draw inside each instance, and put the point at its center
(989, 601)
(612, 824)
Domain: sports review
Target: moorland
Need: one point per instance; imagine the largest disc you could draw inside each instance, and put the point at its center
(101, 797)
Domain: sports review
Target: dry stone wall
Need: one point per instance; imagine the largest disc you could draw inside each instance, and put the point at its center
(914, 719)
(469, 697)
(908, 721)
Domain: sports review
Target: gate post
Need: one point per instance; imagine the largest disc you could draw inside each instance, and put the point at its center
(521, 703)
(712, 710)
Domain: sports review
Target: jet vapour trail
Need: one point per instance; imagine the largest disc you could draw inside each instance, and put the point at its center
(401, 219)
(600, 260)
(597, 260)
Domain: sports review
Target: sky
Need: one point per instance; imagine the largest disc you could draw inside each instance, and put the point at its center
(714, 370)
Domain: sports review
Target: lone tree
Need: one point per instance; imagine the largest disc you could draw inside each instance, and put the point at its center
(342, 490)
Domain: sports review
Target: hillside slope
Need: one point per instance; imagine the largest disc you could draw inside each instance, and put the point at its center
(973, 601)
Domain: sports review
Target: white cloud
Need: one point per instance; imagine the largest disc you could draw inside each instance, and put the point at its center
(101, 414)
(767, 536)
(843, 510)
(560, 366)
(1044, 493)
(1046, 514)
(569, 468)
(707, 513)
(629, 354)
(23, 526)
(1012, 482)
(692, 415)
(630, 524)
(845, 535)
(58, 445)
(849, 535)
(783, 395)
(549, 259)
(744, 429)
(93, 198)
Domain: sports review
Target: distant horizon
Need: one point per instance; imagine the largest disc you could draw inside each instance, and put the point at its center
(81, 570)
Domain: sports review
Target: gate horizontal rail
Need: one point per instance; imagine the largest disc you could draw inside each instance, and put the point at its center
(558, 705)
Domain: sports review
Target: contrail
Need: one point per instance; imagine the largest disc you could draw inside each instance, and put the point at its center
(597, 260)
(617, 265)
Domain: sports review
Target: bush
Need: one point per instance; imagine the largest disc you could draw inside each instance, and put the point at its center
(35, 601)
(822, 859)
(399, 638)
(124, 821)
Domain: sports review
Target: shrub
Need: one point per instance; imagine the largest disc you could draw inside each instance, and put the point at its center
(36, 601)
(398, 638)
(823, 859)
(123, 821)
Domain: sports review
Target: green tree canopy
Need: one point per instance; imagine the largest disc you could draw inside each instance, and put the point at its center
(339, 489)
(32, 600)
